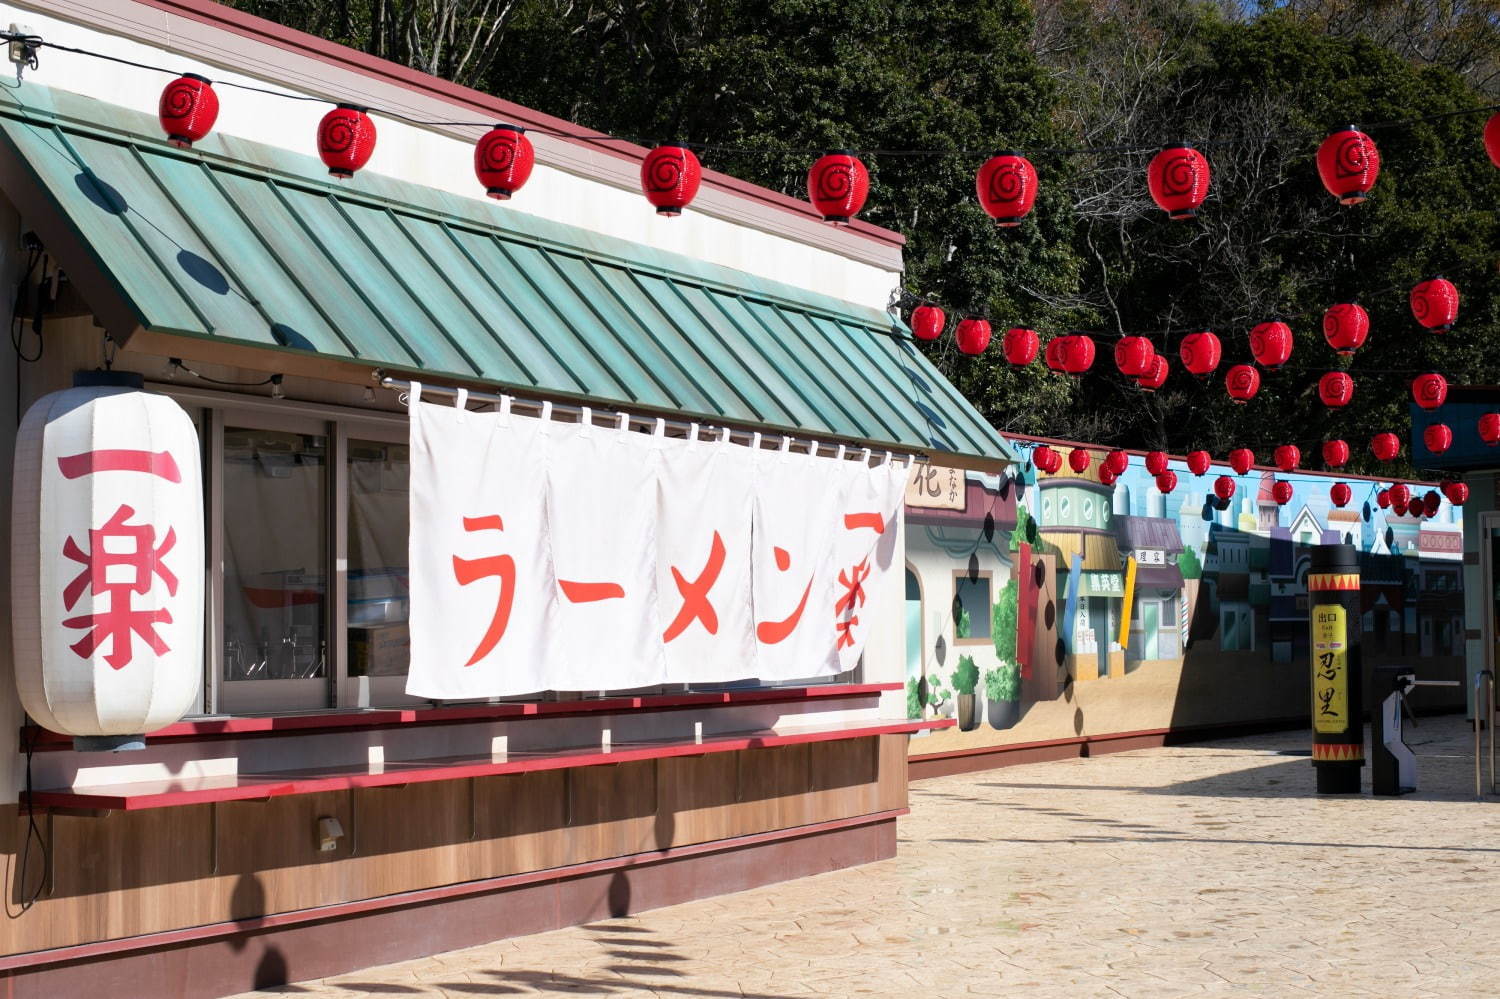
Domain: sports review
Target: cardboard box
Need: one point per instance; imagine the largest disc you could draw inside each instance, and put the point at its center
(384, 650)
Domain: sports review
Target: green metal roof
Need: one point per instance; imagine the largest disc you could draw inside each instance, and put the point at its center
(242, 242)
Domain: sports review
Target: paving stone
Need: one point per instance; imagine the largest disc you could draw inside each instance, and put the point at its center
(1201, 872)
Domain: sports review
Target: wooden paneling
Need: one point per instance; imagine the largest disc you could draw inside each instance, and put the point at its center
(142, 872)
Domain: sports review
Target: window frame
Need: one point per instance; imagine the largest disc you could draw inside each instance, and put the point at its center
(964, 576)
(213, 411)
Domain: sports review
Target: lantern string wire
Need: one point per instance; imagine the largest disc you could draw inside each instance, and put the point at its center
(590, 135)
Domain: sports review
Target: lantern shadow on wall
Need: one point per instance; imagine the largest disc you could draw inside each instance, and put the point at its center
(101, 194)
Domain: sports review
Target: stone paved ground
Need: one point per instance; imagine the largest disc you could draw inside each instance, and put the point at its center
(1203, 871)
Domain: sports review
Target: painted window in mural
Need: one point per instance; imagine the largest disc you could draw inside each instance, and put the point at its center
(971, 608)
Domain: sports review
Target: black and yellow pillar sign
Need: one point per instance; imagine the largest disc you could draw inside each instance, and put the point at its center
(1338, 726)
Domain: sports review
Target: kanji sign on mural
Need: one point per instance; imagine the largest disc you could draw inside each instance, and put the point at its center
(571, 557)
(108, 561)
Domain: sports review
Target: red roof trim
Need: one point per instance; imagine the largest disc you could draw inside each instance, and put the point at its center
(260, 29)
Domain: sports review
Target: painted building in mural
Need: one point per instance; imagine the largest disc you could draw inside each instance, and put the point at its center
(1153, 611)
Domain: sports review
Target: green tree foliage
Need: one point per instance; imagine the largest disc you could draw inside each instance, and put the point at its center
(769, 82)
(1003, 620)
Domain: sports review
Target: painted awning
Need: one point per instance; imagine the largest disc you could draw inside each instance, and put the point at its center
(1100, 553)
(252, 245)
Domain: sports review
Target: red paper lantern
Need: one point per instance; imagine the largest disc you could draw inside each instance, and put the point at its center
(1020, 345)
(1178, 178)
(1166, 481)
(1224, 488)
(928, 322)
(837, 186)
(1438, 437)
(1288, 457)
(1336, 388)
(1345, 327)
(503, 159)
(1434, 303)
(1006, 186)
(1340, 494)
(1133, 356)
(1432, 502)
(972, 335)
(1046, 459)
(1107, 476)
(1281, 492)
(346, 138)
(1078, 460)
(1157, 376)
(1492, 138)
(1242, 382)
(1271, 344)
(1156, 463)
(1076, 353)
(1398, 507)
(1489, 428)
(1240, 459)
(670, 176)
(1383, 499)
(1335, 453)
(1457, 492)
(1053, 354)
(1348, 164)
(1400, 494)
(1117, 461)
(1385, 446)
(1200, 352)
(1430, 390)
(188, 109)
(1198, 462)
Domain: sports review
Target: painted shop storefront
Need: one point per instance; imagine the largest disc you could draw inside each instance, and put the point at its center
(394, 569)
(1057, 615)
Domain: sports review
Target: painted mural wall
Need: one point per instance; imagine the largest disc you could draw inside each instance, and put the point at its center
(1043, 607)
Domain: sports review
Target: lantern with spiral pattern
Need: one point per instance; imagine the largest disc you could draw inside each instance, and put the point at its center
(1006, 186)
(837, 186)
(1178, 178)
(188, 109)
(1348, 165)
(670, 176)
(346, 138)
(503, 160)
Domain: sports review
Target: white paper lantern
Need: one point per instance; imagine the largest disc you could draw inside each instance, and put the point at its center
(107, 561)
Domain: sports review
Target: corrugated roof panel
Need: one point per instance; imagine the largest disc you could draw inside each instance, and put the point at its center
(319, 280)
(254, 245)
